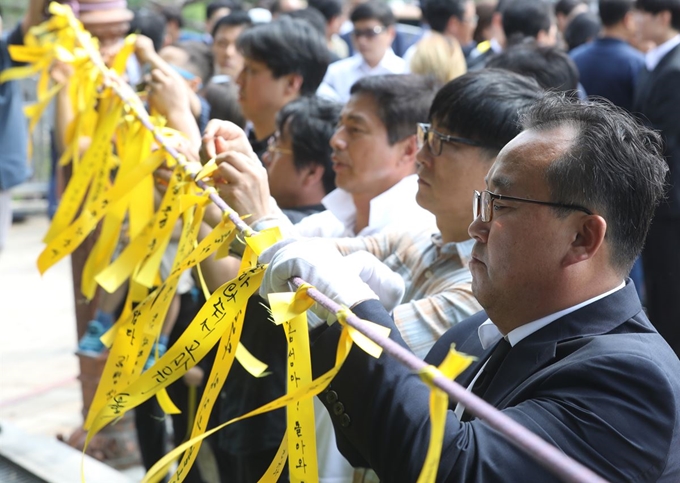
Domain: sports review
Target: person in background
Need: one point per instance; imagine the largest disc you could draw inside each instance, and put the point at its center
(583, 29)
(13, 128)
(521, 20)
(484, 31)
(529, 18)
(228, 60)
(563, 346)
(566, 11)
(174, 22)
(374, 158)
(150, 24)
(550, 66)
(216, 10)
(454, 19)
(609, 66)
(332, 10)
(657, 98)
(372, 35)
(283, 60)
(438, 56)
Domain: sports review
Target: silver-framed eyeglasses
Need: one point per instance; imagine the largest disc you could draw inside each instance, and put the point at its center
(435, 140)
(482, 204)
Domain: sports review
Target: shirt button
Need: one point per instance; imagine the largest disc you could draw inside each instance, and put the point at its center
(345, 420)
(428, 274)
(338, 408)
(331, 397)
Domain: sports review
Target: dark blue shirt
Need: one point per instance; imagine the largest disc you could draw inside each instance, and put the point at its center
(609, 68)
(13, 131)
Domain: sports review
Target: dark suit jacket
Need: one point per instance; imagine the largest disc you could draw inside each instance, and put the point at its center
(657, 98)
(599, 383)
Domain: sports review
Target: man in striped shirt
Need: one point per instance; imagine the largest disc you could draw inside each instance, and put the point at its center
(471, 119)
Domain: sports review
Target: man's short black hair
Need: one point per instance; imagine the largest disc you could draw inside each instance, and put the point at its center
(150, 24)
(234, 19)
(614, 167)
(656, 6)
(213, 7)
(583, 28)
(403, 101)
(551, 67)
(328, 8)
(437, 13)
(223, 101)
(613, 11)
(172, 14)
(311, 15)
(565, 7)
(526, 18)
(288, 46)
(485, 106)
(311, 122)
(373, 10)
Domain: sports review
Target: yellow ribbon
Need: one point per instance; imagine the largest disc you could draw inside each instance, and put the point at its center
(453, 365)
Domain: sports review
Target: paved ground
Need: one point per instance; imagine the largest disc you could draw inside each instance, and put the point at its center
(39, 392)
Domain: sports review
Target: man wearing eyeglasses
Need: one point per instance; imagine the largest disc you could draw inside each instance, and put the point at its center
(372, 36)
(563, 346)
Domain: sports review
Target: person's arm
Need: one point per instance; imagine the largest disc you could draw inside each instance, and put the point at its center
(34, 15)
(593, 402)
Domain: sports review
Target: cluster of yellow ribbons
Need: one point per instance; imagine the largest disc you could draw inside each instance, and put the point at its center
(115, 175)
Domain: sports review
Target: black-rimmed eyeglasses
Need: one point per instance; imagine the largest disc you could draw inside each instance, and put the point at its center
(435, 140)
(482, 204)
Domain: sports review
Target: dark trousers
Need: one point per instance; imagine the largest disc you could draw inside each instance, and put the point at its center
(661, 259)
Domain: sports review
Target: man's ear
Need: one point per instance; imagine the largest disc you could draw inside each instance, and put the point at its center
(392, 32)
(409, 147)
(665, 18)
(590, 234)
(313, 174)
(294, 84)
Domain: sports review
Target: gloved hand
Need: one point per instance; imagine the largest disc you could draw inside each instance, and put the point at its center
(347, 280)
(318, 263)
(387, 285)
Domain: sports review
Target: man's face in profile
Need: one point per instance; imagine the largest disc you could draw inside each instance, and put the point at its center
(518, 254)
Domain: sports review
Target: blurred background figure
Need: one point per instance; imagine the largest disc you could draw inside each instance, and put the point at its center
(583, 28)
(372, 36)
(440, 57)
(228, 61)
(550, 66)
(333, 12)
(454, 19)
(566, 10)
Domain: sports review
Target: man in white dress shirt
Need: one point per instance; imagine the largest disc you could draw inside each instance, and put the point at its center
(372, 36)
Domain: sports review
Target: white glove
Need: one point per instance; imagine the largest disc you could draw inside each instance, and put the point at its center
(387, 285)
(318, 263)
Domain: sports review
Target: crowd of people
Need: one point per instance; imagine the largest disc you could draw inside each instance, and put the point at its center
(364, 132)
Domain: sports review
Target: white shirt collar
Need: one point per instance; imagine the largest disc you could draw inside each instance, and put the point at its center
(390, 62)
(397, 203)
(655, 55)
(489, 334)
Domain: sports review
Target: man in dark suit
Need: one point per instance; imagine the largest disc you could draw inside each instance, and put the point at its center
(563, 346)
(657, 98)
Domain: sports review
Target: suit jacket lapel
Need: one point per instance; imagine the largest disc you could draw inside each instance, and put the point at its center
(538, 350)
